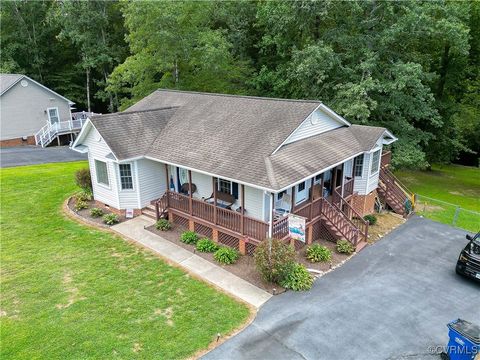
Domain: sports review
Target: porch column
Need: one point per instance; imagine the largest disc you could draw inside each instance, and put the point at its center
(270, 225)
(242, 204)
(311, 197)
(190, 195)
(334, 180)
(342, 185)
(214, 184)
(292, 210)
(168, 184)
(353, 172)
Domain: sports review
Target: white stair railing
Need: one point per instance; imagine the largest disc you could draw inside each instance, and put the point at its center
(48, 132)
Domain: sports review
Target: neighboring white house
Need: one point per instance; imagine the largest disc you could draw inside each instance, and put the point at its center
(261, 156)
(31, 113)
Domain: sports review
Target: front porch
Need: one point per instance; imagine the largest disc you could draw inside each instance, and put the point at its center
(326, 208)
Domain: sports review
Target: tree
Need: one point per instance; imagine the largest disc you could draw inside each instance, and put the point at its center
(174, 45)
(92, 28)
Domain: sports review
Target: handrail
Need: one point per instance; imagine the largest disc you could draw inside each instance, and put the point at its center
(401, 185)
(48, 132)
(354, 217)
(345, 227)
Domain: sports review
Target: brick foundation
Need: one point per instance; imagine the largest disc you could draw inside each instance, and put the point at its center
(364, 204)
(18, 142)
(121, 212)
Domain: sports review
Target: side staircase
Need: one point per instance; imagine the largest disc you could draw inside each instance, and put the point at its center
(394, 193)
(50, 131)
(159, 205)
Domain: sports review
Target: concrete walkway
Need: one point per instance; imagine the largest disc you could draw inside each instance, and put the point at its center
(135, 230)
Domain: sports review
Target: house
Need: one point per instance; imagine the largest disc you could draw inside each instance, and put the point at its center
(32, 114)
(248, 161)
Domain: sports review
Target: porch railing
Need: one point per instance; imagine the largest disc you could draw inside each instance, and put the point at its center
(48, 132)
(214, 215)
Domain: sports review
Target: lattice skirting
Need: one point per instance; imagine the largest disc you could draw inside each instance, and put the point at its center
(228, 240)
(298, 245)
(203, 230)
(180, 220)
(250, 248)
(325, 234)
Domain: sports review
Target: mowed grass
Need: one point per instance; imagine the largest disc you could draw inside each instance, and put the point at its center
(454, 184)
(72, 292)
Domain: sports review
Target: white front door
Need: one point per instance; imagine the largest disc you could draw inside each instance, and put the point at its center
(53, 116)
(301, 194)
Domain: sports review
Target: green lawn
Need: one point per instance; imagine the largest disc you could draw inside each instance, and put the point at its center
(454, 184)
(71, 292)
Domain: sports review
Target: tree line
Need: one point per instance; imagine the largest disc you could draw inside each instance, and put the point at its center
(411, 66)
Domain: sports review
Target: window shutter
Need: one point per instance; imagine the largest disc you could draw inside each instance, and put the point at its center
(235, 190)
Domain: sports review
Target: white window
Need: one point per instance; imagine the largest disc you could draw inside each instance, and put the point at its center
(358, 170)
(225, 186)
(102, 173)
(53, 116)
(126, 179)
(375, 162)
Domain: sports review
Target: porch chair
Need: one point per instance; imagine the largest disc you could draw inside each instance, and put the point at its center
(283, 206)
(186, 188)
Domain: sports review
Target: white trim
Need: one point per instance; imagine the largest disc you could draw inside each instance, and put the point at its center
(137, 183)
(84, 129)
(371, 162)
(270, 223)
(43, 86)
(48, 114)
(327, 110)
(133, 189)
(109, 186)
(390, 135)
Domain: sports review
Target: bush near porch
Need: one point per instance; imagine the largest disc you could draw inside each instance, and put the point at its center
(69, 291)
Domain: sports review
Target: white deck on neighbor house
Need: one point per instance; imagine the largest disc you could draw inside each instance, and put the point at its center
(134, 229)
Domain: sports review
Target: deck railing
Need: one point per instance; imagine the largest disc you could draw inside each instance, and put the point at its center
(48, 132)
(216, 216)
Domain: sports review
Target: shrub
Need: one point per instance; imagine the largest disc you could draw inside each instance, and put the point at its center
(296, 277)
(226, 255)
(206, 245)
(372, 219)
(189, 237)
(110, 219)
(80, 205)
(163, 225)
(83, 179)
(345, 247)
(84, 195)
(271, 263)
(317, 252)
(96, 212)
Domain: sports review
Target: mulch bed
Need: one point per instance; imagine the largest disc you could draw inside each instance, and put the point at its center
(386, 222)
(85, 213)
(244, 268)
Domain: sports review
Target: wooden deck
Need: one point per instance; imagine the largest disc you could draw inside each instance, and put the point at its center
(245, 233)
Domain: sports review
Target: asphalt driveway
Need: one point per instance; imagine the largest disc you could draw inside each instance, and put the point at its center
(391, 301)
(30, 155)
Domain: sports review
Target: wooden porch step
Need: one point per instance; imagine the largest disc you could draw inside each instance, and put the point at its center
(149, 212)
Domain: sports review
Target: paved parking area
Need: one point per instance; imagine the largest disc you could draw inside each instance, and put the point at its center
(31, 155)
(391, 301)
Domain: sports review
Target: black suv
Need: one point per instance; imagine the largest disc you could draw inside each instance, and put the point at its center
(468, 263)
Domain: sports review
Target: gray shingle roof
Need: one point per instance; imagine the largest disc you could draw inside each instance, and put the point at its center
(230, 136)
(7, 80)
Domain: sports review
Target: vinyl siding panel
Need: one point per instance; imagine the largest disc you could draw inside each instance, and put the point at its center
(254, 202)
(373, 178)
(360, 184)
(322, 123)
(98, 150)
(24, 110)
(204, 185)
(151, 180)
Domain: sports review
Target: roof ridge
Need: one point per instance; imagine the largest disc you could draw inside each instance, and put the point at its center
(240, 96)
(136, 111)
